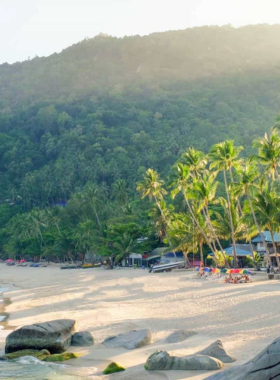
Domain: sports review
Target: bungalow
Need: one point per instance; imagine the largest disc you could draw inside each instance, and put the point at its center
(242, 250)
(135, 259)
(267, 238)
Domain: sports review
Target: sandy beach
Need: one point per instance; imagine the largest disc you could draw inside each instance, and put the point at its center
(244, 316)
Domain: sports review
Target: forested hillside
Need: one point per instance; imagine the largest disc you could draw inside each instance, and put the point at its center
(106, 109)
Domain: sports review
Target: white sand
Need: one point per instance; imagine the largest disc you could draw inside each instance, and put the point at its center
(244, 316)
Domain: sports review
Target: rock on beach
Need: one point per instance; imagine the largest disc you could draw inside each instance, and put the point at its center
(54, 336)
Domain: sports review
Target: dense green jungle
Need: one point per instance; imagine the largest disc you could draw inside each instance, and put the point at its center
(114, 140)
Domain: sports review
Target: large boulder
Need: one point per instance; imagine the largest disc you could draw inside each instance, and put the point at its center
(217, 350)
(264, 366)
(82, 339)
(130, 340)
(163, 361)
(179, 336)
(54, 336)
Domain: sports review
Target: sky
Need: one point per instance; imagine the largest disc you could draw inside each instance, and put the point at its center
(42, 27)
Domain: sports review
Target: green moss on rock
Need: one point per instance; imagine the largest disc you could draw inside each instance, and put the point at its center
(113, 367)
(62, 357)
(41, 355)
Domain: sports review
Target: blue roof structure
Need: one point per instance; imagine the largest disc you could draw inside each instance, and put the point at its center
(239, 252)
(267, 237)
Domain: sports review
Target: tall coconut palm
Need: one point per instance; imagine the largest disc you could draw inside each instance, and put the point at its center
(204, 191)
(224, 157)
(182, 235)
(195, 161)
(160, 221)
(236, 197)
(269, 152)
(120, 191)
(180, 182)
(248, 185)
(84, 236)
(266, 205)
(152, 186)
(92, 197)
(222, 222)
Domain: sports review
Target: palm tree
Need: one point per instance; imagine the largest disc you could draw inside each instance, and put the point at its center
(235, 196)
(92, 197)
(123, 245)
(266, 205)
(85, 237)
(224, 157)
(254, 260)
(222, 222)
(152, 186)
(269, 152)
(204, 191)
(180, 182)
(219, 259)
(120, 191)
(195, 161)
(182, 235)
(247, 185)
(160, 221)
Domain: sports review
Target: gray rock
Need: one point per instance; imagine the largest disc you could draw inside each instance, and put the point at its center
(130, 340)
(54, 336)
(264, 366)
(216, 350)
(179, 336)
(82, 339)
(163, 361)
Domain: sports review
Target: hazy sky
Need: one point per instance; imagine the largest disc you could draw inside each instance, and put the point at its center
(42, 27)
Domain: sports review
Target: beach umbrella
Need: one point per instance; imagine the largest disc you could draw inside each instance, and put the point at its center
(206, 269)
(216, 270)
(224, 270)
(236, 271)
(9, 261)
(244, 271)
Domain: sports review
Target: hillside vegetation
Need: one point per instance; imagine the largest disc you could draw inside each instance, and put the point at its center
(104, 110)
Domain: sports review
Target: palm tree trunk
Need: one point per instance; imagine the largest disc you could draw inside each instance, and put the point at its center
(231, 222)
(162, 214)
(208, 221)
(160, 209)
(197, 224)
(97, 217)
(187, 261)
(275, 248)
(258, 228)
(207, 215)
(201, 250)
